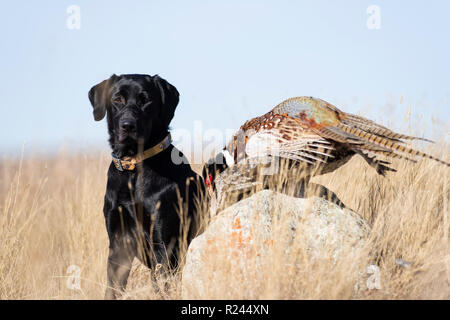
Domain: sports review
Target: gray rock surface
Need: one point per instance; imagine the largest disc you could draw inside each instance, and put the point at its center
(244, 231)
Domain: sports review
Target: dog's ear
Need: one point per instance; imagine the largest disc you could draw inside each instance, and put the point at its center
(99, 98)
(169, 99)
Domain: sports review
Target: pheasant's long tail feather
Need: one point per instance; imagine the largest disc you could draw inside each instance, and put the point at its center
(373, 127)
(415, 153)
(394, 148)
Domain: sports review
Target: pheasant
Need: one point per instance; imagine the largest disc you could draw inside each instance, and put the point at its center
(316, 134)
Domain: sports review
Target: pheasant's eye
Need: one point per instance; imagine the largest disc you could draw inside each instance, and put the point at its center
(119, 100)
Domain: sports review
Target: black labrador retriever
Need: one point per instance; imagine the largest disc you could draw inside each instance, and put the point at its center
(151, 203)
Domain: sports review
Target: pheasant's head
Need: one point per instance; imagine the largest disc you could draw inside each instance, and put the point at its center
(214, 166)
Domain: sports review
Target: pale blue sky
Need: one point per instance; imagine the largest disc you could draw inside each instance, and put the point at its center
(230, 60)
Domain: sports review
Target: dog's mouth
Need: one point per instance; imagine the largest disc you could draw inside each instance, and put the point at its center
(127, 137)
(126, 145)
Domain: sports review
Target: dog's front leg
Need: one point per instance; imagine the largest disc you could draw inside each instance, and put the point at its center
(121, 255)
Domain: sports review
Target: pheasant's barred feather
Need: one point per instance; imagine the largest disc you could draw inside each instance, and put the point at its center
(394, 147)
(375, 128)
(337, 134)
(314, 132)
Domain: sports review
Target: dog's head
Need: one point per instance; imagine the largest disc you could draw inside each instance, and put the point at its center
(139, 109)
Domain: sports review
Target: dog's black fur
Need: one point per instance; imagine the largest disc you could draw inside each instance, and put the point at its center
(142, 206)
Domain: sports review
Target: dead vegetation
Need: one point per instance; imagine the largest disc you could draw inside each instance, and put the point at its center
(51, 218)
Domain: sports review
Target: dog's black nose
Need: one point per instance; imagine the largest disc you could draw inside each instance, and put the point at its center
(128, 125)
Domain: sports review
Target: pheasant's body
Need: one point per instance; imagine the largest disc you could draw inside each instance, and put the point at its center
(313, 132)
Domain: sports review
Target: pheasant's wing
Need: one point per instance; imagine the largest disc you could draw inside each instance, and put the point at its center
(283, 137)
(359, 133)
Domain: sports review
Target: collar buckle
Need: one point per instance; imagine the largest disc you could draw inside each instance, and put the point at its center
(117, 162)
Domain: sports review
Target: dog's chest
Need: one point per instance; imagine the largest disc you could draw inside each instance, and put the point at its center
(147, 189)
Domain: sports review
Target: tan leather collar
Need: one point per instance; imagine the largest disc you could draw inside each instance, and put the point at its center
(129, 163)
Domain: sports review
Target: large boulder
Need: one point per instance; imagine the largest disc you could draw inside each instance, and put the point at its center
(238, 239)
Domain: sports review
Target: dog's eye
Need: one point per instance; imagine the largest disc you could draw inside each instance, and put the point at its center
(119, 100)
(142, 99)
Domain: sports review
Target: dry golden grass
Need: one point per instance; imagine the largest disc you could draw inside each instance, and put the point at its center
(51, 217)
